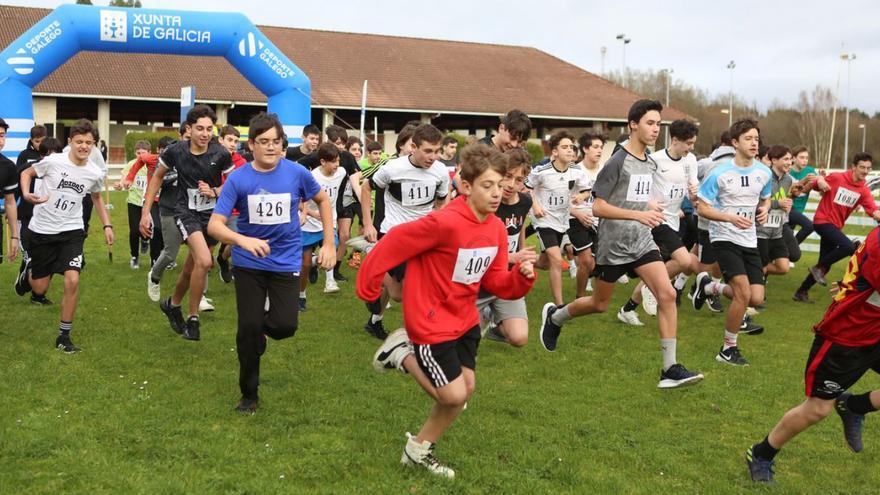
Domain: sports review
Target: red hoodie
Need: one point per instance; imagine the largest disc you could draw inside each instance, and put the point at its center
(449, 255)
(844, 196)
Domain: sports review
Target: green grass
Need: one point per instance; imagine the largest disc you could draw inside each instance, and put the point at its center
(142, 411)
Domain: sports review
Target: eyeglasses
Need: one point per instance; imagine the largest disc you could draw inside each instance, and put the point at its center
(266, 143)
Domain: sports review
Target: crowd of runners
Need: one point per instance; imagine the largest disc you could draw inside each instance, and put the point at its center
(444, 232)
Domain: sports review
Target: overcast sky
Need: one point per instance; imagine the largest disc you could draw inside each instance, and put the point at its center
(780, 48)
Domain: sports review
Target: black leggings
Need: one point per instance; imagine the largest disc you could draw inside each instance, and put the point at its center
(280, 322)
(134, 236)
(796, 218)
(834, 247)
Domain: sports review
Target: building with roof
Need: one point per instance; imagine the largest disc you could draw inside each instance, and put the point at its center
(458, 86)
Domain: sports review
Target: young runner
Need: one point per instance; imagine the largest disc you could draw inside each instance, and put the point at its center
(733, 197)
(229, 138)
(505, 320)
(622, 195)
(513, 131)
(414, 185)
(332, 179)
(311, 137)
(57, 234)
(845, 346)
(555, 188)
(801, 171)
(451, 253)
(8, 187)
(674, 179)
(771, 242)
(373, 156)
(448, 152)
(592, 146)
(842, 193)
(266, 250)
(135, 202)
(200, 163)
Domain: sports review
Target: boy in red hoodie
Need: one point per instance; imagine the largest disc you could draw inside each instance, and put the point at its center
(450, 254)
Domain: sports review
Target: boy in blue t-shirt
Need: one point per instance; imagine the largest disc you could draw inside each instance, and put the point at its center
(267, 251)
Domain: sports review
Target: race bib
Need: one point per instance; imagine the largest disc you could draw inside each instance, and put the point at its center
(677, 192)
(556, 201)
(417, 192)
(65, 205)
(775, 219)
(269, 209)
(845, 197)
(140, 182)
(512, 243)
(471, 264)
(639, 188)
(198, 202)
(742, 211)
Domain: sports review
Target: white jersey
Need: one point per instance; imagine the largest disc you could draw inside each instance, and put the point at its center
(671, 183)
(587, 204)
(66, 185)
(737, 191)
(332, 186)
(553, 190)
(410, 191)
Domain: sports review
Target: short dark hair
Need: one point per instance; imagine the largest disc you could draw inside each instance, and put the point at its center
(405, 135)
(743, 126)
(777, 151)
(762, 150)
(311, 129)
(328, 152)
(38, 131)
(83, 126)
(143, 144)
(477, 158)
(335, 133)
(518, 158)
(199, 111)
(353, 140)
(227, 130)
(50, 145)
(448, 140)
(683, 129)
(262, 122)
(517, 124)
(182, 129)
(374, 146)
(587, 138)
(640, 108)
(165, 141)
(426, 133)
(725, 138)
(797, 150)
(862, 157)
(557, 137)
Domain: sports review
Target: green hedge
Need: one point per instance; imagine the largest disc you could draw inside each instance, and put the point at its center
(153, 137)
(536, 151)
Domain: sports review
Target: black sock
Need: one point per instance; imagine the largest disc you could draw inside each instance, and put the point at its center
(64, 328)
(807, 283)
(764, 450)
(860, 404)
(630, 305)
(336, 268)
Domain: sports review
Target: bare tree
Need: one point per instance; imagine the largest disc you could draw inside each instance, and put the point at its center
(814, 126)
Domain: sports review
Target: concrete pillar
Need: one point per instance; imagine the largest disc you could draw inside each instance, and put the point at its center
(426, 118)
(390, 140)
(45, 110)
(104, 121)
(327, 118)
(222, 114)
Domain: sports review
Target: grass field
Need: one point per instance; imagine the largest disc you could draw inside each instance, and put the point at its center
(142, 411)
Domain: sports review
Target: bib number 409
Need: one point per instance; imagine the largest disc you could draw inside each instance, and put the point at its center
(471, 264)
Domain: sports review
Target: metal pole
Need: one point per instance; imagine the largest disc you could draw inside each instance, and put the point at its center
(864, 131)
(666, 135)
(849, 59)
(731, 66)
(363, 111)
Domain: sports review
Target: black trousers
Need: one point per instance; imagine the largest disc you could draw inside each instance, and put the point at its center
(280, 322)
(134, 236)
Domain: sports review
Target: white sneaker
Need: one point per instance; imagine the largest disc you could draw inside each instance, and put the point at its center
(134, 264)
(422, 454)
(331, 287)
(153, 290)
(205, 304)
(624, 279)
(649, 302)
(630, 318)
(392, 352)
(360, 243)
(572, 269)
(791, 265)
(388, 306)
(590, 285)
(750, 311)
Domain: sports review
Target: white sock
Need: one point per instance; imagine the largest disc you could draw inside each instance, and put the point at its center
(330, 274)
(729, 340)
(376, 318)
(715, 288)
(680, 281)
(668, 347)
(561, 316)
(302, 294)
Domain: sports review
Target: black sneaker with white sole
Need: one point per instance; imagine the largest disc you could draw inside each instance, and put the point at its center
(549, 330)
(749, 328)
(192, 331)
(225, 269)
(700, 290)
(64, 344)
(731, 356)
(22, 282)
(678, 376)
(174, 315)
(376, 329)
(40, 299)
(714, 304)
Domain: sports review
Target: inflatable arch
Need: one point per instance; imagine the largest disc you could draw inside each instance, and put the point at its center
(70, 29)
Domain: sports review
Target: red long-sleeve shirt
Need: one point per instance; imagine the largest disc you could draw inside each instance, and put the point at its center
(449, 255)
(842, 199)
(151, 161)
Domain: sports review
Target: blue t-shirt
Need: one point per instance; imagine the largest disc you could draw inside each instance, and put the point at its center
(285, 239)
(737, 191)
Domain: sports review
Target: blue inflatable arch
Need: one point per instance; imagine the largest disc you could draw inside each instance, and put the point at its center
(70, 29)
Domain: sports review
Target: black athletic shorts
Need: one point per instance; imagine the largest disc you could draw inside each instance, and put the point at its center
(56, 253)
(442, 362)
(706, 254)
(190, 222)
(834, 368)
(735, 260)
(350, 211)
(772, 249)
(579, 236)
(667, 240)
(610, 273)
(687, 230)
(399, 271)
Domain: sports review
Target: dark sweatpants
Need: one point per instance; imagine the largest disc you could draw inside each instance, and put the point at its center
(834, 247)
